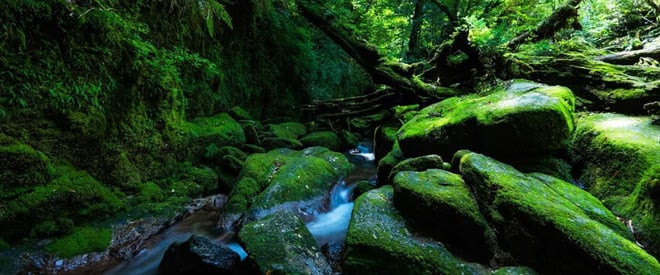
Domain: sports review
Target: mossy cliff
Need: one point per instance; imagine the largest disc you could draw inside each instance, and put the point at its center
(111, 105)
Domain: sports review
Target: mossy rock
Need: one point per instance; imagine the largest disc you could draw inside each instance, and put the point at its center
(287, 130)
(194, 181)
(72, 194)
(281, 244)
(362, 187)
(326, 139)
(553, 166)
(228, 157)
(378, 240)
(387, 163)
(506, 122)
(239, 113)
(21, 167)
(349, 139)
(253, 149)
(252, 131)
(220, 130)
(405, 112)
(82, 240)
(416, 164)
(618, 160)
(285, 175)
(384, 138)
(277, 142)
(434, 199)
(550, 225)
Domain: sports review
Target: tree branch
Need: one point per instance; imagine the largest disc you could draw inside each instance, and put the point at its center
(558, 20)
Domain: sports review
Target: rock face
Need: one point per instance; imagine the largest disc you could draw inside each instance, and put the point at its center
(285, 175)
(550, 225)
(619, 157)
(441, 204)
(379, 241)
(520, 117)
(281, 244)
(199, 255)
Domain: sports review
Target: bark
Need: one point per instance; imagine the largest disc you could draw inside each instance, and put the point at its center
(561, 18)
(631, 57)
(416, 28)
(451, 15)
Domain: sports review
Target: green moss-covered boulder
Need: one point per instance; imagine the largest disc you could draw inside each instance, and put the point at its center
(82, 240)
(281, 244)
(326, 139)
(384, 138)
(287, 130)
(378, 240)
(278, 142)
(72, 196)
(553, 166)
(388, 162)
(441, 204)
(349, 139)
(550, 225)
(219, 130)
(285, 175)
(618, 160)
(239, 113)
(21, 167)
(416, 164)
(505, 122)
(514, 270)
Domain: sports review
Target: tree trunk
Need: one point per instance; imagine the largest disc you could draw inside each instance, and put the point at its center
(558, 20)
(415, 29)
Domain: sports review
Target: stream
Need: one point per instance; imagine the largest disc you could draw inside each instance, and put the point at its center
(328, 228)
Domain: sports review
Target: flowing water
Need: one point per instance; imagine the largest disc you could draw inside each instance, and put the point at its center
(327, 228)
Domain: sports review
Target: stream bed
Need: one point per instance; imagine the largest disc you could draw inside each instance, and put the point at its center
(328, 229)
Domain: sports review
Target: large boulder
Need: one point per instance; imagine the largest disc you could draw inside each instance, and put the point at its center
(384, 138)
(326, 139)
(551, 225)
(619, 161)
(279, 176)
(441, 205)
(199, 255)
(520, 117)
(379, 241)
(281, 244)
(288, 130)
(21, 166)
(418, 164)
(219, 130)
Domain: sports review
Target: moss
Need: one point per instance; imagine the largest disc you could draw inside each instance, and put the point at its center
(378, 240)
(388, 162)
(286, 175)
(541, 226)
(239, 113)
(405, 113)
(508, 121)
(280, 243)
(151, 192)
(618, 158)
(274, 143)
(53, 227)
(91, 124)
(423, 197)
(349, 139)
(22, 165)
(556, 167)
(82, 240)
(323, 138)
(416, 164)
(72, 194)
(193, 181)
(384, 138)
(253, 149)
(220, 130)
(288, 130)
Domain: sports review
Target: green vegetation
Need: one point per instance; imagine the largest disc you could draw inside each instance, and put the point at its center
(82, 240)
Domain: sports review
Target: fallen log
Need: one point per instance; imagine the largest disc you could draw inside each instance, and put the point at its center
(631, 57)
